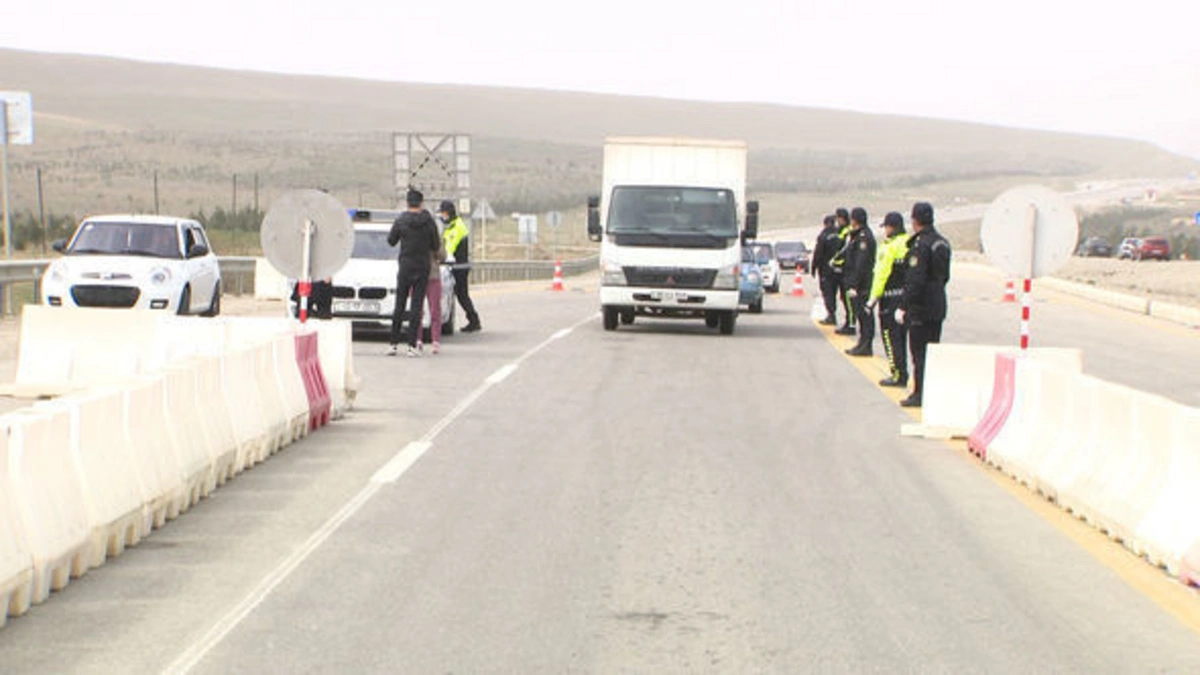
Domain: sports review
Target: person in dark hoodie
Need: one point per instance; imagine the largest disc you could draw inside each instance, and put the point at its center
(860, 270)
(418, 237)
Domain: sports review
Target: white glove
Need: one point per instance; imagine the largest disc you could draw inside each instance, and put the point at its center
(449, 260)
(870, 305)
(852, 293)
(899, 316)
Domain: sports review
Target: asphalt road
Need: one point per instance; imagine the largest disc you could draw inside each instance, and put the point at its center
(656, 499)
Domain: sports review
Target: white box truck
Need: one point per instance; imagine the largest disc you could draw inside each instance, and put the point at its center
(669, 219)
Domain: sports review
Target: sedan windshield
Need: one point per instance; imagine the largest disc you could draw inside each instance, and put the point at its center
(144, 239)
(372, 245)
(672, 211)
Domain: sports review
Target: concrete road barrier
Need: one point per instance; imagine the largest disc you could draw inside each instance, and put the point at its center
(308, 362)
(16, 560)
(995, 417)
(147, 427)
(1113, 439)
(269, 284)
(1016, 444)
(336, 348)
(103, 458)
(213, 406)
(244, 406)
(1170, 529)
(292, 387)
(49, 497)
(189, 437)
(959, 380)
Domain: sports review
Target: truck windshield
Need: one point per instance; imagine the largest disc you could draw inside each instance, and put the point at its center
(372, 245)
(672, 211)
(144, 239)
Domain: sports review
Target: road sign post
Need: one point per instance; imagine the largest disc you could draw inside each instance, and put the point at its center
(483, 212)
(1029, 232)
(307, 235)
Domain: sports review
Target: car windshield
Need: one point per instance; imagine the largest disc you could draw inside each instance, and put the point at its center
(672, 210)
(143, 239)
(747, 254)
(763, 253)
(372, 245)
(789, 247)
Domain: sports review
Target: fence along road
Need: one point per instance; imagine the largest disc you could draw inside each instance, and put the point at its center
(656, 498)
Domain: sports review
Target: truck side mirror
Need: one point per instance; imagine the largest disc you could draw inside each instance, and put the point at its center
(751, 229)
(595, 233)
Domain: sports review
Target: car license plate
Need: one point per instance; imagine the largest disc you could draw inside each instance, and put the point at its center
(356, 306)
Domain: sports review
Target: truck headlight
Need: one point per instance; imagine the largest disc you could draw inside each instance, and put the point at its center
(612, 274)
(727, 278)
(160, 276)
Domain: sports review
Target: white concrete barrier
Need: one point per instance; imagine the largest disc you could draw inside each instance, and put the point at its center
(189, 437)
(269, 284)
(1113, 443)
(958, 384)
(104, 460)
(146, 424)
(1013, 448)
(336, 346)
(16, 560)
(1070, 439)
(49, 496)
(214, 404)
(245, 408)
(291, 386)
(1171, 528)
(1188, 316)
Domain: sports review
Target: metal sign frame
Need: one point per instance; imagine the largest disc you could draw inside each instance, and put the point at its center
(437, 164)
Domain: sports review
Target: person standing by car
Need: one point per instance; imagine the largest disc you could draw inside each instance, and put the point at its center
(923, 303)
(860, 267)
(433, 291)
(828, 242)
(458, 250)
(886, 291)
(417, 235)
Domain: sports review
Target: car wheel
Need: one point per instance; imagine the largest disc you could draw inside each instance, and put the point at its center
(727, 321)
(448, 327)
(773, 289)
(756, 307)
(214, 308)
(185, 301)
(612, 316)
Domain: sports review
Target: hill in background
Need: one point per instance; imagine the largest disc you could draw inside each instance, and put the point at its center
(105, 126)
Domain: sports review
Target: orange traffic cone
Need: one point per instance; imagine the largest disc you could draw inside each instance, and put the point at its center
(1010, 291)
(798, 284)
(558, 281)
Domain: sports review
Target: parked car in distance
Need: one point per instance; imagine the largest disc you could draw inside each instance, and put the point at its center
(1094, 247)
(750, 290)
(1153, 248)
(1128, 248)
(768, 266)
(135, 262)
(792, 254)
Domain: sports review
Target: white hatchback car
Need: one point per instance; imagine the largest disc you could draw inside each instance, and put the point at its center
(768, 265)
(136, 261)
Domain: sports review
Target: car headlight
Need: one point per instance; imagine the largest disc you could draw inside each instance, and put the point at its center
(727, 278)
(754, 278)
(160, 276)
(611, 274)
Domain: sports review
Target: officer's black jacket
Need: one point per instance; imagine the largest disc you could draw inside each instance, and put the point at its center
(828, 243)
(925, 280)
(860, 259)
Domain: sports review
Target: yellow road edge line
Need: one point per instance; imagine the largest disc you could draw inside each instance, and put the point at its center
(1171, 595)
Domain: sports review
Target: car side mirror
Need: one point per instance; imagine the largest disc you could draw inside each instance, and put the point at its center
(59, 245)
(751, 229)
(197, 251)
(595, 233)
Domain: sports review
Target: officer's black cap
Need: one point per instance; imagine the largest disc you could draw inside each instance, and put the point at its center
(843, 214)
(830, 220)
(894, 220)
(447, 207)
(859, 215)
(922, 213)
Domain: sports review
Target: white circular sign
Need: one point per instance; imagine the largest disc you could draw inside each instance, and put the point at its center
(1029, 232)
(282, 234)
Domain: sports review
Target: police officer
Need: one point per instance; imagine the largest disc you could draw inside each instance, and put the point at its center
(828, 243)
(923, 303)
(838, 265)
(860, 269)
(458, 249)
(886, 291)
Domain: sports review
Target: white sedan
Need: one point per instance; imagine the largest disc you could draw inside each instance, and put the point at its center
(136, 261)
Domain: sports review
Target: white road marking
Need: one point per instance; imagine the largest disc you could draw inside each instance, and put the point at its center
(387, 474)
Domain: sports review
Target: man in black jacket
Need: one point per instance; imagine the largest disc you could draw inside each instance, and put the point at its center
(828, 243)
(923, 305)
(860, 270)
(418, 237)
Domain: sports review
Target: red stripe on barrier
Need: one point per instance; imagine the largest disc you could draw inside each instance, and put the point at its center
(308, 359)
(1004, 389)
(1189, 570)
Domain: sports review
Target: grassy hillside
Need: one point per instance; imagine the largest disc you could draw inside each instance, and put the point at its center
(105, 126)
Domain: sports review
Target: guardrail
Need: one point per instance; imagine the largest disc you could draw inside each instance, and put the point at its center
(237, 274)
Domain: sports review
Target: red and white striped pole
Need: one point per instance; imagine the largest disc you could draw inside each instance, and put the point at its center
(1026, 304)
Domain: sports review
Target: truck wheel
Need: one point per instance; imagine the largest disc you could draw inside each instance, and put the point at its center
(711, 319)
(611, 316)
(627, 317)
(727, 321)
(756, 308)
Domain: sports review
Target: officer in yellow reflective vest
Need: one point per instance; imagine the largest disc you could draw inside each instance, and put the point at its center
(458, 250)
(886, 291)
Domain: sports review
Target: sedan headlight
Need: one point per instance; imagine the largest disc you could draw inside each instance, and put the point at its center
(611, 274)
(160, 276)
(727, 278)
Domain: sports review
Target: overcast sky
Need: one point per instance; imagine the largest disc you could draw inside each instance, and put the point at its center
(1127, 69)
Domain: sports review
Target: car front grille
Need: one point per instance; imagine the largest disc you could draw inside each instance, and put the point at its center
(105, 296)
(372, 293)
(342, 292)
(668, 277)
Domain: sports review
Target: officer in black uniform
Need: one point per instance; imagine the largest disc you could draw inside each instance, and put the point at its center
(923, 304)
(860, 269)
(838, 265)
(828, 243)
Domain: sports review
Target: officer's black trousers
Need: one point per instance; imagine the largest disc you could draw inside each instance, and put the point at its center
(829, 293)
(920, 335)
(866, 320)
(463, 295)
(895, 340)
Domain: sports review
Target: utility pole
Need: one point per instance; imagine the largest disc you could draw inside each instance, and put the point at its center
(41, 209)
(4, 160)
(255, 192)
(156, 192)
(233, 210)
